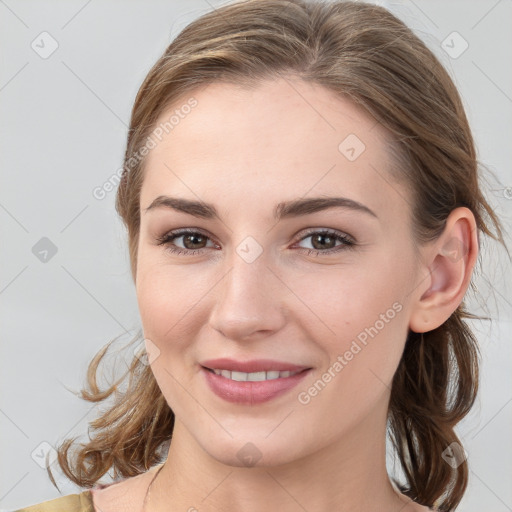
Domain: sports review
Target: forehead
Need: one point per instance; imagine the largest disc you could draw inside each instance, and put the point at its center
(280, 140)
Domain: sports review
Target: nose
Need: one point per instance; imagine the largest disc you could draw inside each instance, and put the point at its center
(249, 301)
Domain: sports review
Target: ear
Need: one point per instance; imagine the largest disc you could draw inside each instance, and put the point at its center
(447, 267)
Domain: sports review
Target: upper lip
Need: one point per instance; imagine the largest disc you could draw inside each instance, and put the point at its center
(254, 365)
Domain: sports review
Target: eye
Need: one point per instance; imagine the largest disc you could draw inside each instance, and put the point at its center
(191, 240)
(194, 241)
(324, 242)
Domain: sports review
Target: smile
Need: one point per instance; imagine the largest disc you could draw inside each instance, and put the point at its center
(253, 387)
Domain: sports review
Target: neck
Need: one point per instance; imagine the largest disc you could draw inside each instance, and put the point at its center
(349, 474)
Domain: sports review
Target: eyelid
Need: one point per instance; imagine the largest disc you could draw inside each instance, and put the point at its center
(297, 237)
(337, 232)
(176, 233)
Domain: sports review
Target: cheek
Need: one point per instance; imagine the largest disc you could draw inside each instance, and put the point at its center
(367, 329)
(347, 299)
(358, 312)
(166, 298)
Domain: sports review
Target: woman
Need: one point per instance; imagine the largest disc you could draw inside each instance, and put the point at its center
(301, 196)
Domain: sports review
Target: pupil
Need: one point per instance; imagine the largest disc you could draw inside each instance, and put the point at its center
(192, 237)
(318, 237)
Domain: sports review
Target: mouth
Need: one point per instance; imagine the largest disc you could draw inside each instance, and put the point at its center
(251, 382)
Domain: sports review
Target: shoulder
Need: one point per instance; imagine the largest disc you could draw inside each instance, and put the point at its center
(71, 503)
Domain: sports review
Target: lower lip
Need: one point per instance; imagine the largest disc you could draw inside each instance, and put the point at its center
(251, 392)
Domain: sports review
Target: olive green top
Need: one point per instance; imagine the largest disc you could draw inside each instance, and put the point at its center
(71, 503)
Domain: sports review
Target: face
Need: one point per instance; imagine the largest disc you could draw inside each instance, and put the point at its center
(328, 289)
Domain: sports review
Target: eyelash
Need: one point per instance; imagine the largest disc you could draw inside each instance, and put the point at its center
(167, 238)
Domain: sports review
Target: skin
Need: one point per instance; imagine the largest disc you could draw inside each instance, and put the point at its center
(245, 151)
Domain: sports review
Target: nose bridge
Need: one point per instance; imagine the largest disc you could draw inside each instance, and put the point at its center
(247, 298)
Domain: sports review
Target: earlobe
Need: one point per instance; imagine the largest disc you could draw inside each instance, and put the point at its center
(451, 260)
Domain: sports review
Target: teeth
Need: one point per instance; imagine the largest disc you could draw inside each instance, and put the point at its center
(240, 376)
(254, 376)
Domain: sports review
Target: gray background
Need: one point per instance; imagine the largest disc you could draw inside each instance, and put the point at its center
(63, 128)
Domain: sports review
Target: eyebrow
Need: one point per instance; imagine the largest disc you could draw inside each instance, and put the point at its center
(286, 209)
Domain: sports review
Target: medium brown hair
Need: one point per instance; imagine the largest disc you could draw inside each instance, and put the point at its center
(364, 53)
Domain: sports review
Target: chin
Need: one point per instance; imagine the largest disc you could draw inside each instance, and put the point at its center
(252, 451)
